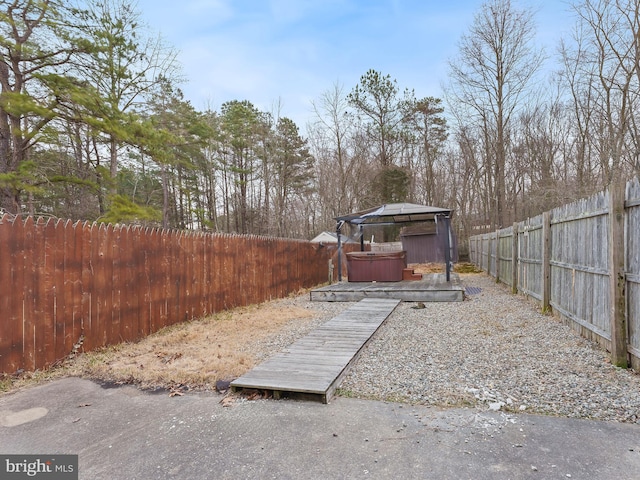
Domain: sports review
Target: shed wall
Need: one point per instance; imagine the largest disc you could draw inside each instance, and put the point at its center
(429, 248)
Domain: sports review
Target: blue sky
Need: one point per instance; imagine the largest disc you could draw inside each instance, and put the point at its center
(291, 51)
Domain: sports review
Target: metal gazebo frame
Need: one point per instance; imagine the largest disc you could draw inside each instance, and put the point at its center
(392, 214)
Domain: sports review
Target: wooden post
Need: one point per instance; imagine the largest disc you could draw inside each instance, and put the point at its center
(497, 256)
(486, 239)
(514, 259)
(617, 278)
(447, 248)
(473, 250)
(546, 262)
(338, 229)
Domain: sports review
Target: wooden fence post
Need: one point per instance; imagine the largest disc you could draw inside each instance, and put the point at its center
(497, 250)
(546, 261)
(617, 278)
(489, 252)
(487, 239)
(514, 259)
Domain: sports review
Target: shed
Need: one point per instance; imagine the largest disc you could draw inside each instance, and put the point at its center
(425, 243)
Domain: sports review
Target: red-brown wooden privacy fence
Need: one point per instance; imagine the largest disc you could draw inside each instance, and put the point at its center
(66, 285)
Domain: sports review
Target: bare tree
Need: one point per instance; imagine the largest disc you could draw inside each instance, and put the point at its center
(489, 79)
(579, 87)
(605, 59)
(338, 147)
(540, 176)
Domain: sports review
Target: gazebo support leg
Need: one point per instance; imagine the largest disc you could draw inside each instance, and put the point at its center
(447, 248)
(338, 228)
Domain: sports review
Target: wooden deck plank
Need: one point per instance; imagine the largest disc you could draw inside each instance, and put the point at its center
(320, 346)
(277, 364)
(316, 363)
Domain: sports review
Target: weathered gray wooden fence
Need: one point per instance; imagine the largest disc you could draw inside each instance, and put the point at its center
(581, 261)
(632, 205)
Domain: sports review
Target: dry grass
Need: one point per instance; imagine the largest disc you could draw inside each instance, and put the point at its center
(461, 268)
(427, 267)
(193, 354)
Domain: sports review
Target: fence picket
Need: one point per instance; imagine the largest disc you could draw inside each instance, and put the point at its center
(12, 355)
(29, 327)
(86, 282)
(7, 323)
(633, 269)
(38, 293)
(70, 274)
(48, 294)
(116, 284)
(155, 264)
(128, 319)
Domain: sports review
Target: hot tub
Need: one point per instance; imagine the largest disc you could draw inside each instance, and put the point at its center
(376, 266)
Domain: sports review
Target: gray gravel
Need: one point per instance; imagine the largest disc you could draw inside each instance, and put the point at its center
(494, 351)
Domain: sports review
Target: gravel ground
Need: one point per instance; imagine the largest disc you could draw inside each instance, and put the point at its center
(494, 351)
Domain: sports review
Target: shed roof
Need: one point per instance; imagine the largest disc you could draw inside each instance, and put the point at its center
(328, 237)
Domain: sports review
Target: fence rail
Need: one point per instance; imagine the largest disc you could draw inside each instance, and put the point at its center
(67, 286)
(582, 260)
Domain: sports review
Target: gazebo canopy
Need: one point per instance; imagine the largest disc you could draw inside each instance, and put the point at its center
(392, 213)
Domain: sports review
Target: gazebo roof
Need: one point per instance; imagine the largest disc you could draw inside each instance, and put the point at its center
(391, 213)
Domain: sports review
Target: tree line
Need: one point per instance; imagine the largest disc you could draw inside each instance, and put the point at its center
(93, 125)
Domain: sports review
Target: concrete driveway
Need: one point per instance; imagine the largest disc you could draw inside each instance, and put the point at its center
(124, 433)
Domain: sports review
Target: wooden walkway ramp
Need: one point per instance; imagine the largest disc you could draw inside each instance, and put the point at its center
(314, 366)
